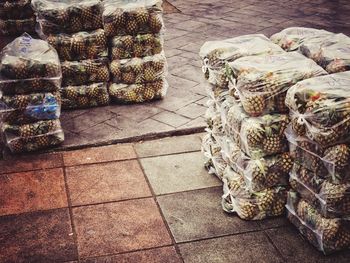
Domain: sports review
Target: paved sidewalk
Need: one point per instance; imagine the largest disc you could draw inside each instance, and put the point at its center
(149, 202)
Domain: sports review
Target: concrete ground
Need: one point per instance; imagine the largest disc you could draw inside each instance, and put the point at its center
(149, 202)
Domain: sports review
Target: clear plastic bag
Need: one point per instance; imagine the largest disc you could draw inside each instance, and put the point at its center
(139, 70)
(326, 234)
(75, 97)
(292, 38)
(137, 93)
(215, 53)
(75, 73)
(68, 16)
(20, 9)
(22, 109)
(33, 136)
(17, 27)
(123, 17)
(269, 202)
(261, 82)
(213, 120)
(257, 136)
(320, 108)
(80, 46)
(124, 47)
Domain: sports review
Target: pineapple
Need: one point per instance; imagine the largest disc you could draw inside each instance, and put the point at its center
(103, 74)
(92, 52)
(76, 24)
(115, 69)
(254, 105)
(52, 70)
(21, 70)
(142, 16)
(155, 22)
(82, 101)
(71, 93)
(265, 199)
(101, 39)
(88, 15)
(298, 128)
(65, 53)
(78, 45)
(138, 50)
(128, 42)
(103, 99)
(248, 210)
(148, 92)
(42, 141)
(338, 155)
(27, 130)
(254, 136)
(272, 144)
(16, 146)
(150, 74)
(129, 77)
(118, 53)
(132, 27)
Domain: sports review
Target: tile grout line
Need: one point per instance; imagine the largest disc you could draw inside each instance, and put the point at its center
(273, 244)
(154, 196)
(70, 208)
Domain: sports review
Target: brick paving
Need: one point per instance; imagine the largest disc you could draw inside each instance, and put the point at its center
(149, 202)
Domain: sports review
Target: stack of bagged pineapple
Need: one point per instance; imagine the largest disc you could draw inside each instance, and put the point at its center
(30, 103)
(16, 17)
(75, 29)
(319, 202)
(138, 65)
(256, 75)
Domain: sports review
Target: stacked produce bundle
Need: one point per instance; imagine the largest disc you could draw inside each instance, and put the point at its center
(320, 143)
(16, 17)
(75, 29)
(138, 64)
(30, 102)
(331, 51)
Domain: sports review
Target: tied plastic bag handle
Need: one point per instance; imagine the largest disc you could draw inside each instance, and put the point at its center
(206, 65)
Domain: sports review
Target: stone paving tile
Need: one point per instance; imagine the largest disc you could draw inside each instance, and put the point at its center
(32, 191)
(171, 118)
(200, 122)
(273, 222)
(157, 255)
(169, 145)
(106, 182)
(99, 154)
(289, 241)
(198, 214)
(119, 227)
(251, 247)
(192, 111)
(180, 172)
(37, 237)
(30, 162)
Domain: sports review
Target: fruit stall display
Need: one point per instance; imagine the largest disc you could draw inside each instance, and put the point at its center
(16, 17)
(75, 30)
(320, 144)
(135, 37)
(30, 102)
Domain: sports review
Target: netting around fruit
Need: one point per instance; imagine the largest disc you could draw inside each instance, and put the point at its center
(68, 16)
(292, 38)
(15, 27)
(20, 9)
(85, 96)
(22, 109)
(32, 137)
(138, 93)
(139, 70)
(269, 202)
(261, 82)
(122, 17)
(326, 234)
(142, 45)
(79, 46)
(214, 54)
(75, 73)
(320, 108)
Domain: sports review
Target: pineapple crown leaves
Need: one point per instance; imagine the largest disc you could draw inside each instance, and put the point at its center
(262, 167)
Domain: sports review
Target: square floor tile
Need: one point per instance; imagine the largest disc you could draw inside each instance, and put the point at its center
(119, 227)
(250, 247)
(294, 248)
(45, 236)
(198, 214)
(25, 163)
(179, 172)
(32, 191)
(99, 154)
(273, 222)
(169, 145)
(105, 182)
(157, 255)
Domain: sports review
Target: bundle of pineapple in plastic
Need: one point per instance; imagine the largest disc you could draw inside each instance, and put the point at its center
(269, 202)
(68, 16)
(33, 136)
(330, 197)
(213, 120)
(215, 164)
(123, 17)
(79, 46)
(122, 47)
(326, 234)
(292, 38)
(85, 96)
(257, 136)
(320, 109)
(261, 82)
(75, 73)
(214, 54)
(131, 93)
(138, 70)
